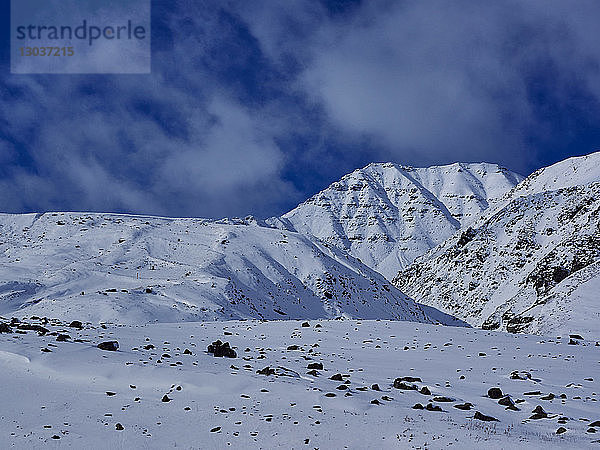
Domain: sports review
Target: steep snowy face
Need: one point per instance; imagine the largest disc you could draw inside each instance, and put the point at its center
(532, 264)
(128, 269)
(387, 215)
(578, 171)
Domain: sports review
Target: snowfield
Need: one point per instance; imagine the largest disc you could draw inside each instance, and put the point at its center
(161, 389)
(134, 269)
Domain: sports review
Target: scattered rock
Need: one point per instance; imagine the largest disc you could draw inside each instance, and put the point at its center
(431, 407)
(76, 324)
(266, 371)
(221, 349)
(166, 399)
(336, 377)
(5, 328)
(399, 384)
(485, 418)
(538, 413)
(464, 406)
(28, 327)
(418, 406)
(293, 347)
(375, 387)
(119, 427)
(425, 390)
(561, 430)
(375, 402)
(63, 337)
(111, 346)
(305, 324)
(495, 393)
(316, 365)
(443, 399)
(215, 430)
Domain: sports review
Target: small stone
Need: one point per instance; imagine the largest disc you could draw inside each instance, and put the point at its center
(111, 346)
(417, 406)
(561, 430)
(425, 390)
(215, 430)
(76, 324)
(336, 377)
(119, 427)
(166, 399)
(464, 406)
(484, 418)
(315, 365)
(305, 324)
(495, 393)
(431, 407)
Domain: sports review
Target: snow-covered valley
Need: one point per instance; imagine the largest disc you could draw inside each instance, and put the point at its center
(161, 389)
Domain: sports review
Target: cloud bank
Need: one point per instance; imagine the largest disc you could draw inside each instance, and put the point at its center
(252, 108)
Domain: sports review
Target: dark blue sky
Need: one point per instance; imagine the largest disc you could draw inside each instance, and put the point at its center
(254, 106)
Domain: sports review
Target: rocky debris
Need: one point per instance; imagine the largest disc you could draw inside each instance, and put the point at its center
(187, 351)
(221, 349)
(266, 371)
(561, 430)
(425, 390)
(315, 365)
(405, 386)
(336, 377)
(313, 372)
(550, 396)
(573, 342)
(293, 347)
(464, 406)
(166, 399)
(576, 336)
(111, 346)
(76, 324)
(375, 387)
(410, 379)
(443, 399)
(520, 375)
(119, 427)
(495, 393)
(63, 337)
(432, 407)
(418, 406)
(5, 328)
(506, 401)
(484, 418)
(29, 327)
(215, 429)
(595, 424)
(539, 413)
(305, 324)
(375, 402)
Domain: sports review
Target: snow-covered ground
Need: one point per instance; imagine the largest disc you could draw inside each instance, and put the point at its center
(135, 269)
(76, 394)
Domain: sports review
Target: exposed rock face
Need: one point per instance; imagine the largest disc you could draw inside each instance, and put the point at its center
(387, 214)
(530, 264)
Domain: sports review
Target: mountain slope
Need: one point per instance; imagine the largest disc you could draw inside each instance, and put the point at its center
(387, 215)
(128, 269)
(531, 264)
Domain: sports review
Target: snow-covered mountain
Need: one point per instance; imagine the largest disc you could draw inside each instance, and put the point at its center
(387, 215)
(131, 269)
(532, 263)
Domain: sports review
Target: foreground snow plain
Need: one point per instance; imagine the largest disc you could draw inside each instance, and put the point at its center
(76, 394)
